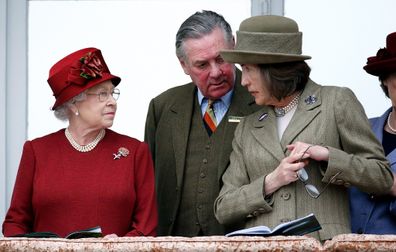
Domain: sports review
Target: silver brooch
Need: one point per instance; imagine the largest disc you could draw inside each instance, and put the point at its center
(122, 152)
(310, 99)
(263, 116)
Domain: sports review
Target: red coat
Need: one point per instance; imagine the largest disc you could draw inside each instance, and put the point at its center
(61, 190)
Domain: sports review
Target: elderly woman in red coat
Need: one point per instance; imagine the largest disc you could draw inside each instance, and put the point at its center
(85, 175)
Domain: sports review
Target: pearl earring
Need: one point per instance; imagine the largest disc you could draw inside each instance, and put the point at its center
(77, 114)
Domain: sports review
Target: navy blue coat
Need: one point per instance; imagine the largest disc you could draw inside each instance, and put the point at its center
(369, 214)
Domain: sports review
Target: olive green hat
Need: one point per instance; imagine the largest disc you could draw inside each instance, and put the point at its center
(266, 40)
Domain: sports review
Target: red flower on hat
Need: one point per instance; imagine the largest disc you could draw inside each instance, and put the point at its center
(91, 66)
(88, 67)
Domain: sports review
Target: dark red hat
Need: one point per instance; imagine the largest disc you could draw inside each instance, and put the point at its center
(385, 60)
(77, 72)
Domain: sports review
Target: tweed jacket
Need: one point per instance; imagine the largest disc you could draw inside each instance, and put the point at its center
(326, 116)
(370, 214)
(167, 131)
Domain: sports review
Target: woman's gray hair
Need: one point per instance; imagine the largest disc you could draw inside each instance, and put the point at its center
(62, 112)
(201, 24)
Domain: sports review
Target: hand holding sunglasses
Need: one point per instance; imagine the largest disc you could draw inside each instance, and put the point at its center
(303, 177)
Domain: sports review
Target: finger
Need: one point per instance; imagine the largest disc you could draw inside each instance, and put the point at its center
(300, 150)
(304, 156)
(294, 176)
(295, 167)
(295, 157)
(290, 147)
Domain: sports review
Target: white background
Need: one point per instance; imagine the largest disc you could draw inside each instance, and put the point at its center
(137, 41)
(340, 35)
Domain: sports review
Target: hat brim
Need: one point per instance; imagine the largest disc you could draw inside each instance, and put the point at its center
(249, 57)
(381, 67)
(74, 90)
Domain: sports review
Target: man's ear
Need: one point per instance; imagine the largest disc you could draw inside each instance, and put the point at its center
(184, 65)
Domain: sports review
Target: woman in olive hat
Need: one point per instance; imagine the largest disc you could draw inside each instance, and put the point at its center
(308, 143)
(85, 175)
(371, 214)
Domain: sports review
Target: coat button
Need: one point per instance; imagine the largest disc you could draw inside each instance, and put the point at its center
(284, 220)
(285, 196)
(255, 213)
(339, 182)
(205, 161)
(202, 175)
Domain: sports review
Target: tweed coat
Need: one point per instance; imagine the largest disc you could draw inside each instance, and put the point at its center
(167, 129)
(327, 116)
(370, 214)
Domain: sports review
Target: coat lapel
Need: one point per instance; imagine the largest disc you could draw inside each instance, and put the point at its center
(242, 104)
(182, 111)
(265, 132)
(308, 108)
(377, 125)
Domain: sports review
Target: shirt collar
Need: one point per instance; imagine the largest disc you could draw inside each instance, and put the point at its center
(226, 99)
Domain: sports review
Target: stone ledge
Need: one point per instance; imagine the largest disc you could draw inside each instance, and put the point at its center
(354, 242)
(208, 243)
(347, 242)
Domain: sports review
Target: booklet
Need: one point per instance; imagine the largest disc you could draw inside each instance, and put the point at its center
(86, 233)
(299, 226)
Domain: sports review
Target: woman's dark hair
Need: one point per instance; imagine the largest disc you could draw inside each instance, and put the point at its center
(284, 79)
(382, 78)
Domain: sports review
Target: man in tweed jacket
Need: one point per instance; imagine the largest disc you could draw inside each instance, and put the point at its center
(188, 161)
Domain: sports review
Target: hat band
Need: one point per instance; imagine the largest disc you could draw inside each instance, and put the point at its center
(263, 42)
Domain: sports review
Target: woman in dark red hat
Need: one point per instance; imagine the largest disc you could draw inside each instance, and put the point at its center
(370, 214)
(85, 175)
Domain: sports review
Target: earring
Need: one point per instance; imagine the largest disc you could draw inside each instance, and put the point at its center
(77, 114)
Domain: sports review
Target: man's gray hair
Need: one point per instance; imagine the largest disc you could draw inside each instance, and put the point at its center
(201, 24)
(62, 112)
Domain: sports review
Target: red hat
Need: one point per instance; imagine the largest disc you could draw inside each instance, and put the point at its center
(77, 72)
(385, 60)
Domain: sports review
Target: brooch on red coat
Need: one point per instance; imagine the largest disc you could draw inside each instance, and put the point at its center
(122, 152)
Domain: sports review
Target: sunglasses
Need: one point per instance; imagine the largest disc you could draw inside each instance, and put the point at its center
(303, 177)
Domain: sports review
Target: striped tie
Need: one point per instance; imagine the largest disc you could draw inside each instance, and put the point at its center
(209, 118)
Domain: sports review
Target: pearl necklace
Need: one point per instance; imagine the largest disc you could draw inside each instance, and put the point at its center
(389, 125)
(87, 147)
(279, 112)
